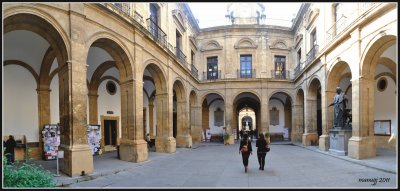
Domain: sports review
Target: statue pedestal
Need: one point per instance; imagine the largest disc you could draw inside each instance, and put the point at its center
(339, 140)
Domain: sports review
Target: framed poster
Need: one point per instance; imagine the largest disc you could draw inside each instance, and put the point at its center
(382, 127)
(94, 137)
(51, 141)
(219, 117)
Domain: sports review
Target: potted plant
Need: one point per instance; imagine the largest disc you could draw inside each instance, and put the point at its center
(226, 138)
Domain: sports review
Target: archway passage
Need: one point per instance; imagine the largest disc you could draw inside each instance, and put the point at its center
(195, 129)
(213, 118)
(280, 116)
(313, 122)
(246, 115)
(181, 126)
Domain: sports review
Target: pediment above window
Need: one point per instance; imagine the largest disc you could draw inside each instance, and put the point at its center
(279, 44)
(245, 43)
(179, 19)
(211, 45)
(311, 16)
(193, 42)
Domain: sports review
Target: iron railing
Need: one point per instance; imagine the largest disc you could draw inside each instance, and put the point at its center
(246, 73)
(297, 70)
(124, 7)
(138, 18)
(212, 75)
(336, 29)
(310, 56)
(280, 75)
(194, 71)
(180, 55)
(156, 32)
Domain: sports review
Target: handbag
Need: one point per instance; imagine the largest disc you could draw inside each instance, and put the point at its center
(244, 149)
(268, 149)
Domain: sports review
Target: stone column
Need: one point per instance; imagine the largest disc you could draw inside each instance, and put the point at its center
(151, 121)
(133, 147)
(93, 111)
(78, 157)
(183, 138)
(264, 117)
(44, 113)
(310, 137)
(362, 144)
(229, 120)
(196, 125)
(297, 131)
(165, 142)
(327, 119)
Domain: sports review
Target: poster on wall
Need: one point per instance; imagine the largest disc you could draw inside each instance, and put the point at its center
(94, 136)
(382, 127)
(51, 141)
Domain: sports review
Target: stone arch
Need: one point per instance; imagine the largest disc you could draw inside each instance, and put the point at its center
(193, 98)
(158, 74)
(116, 49)
(97, 75)
(24, 65)
(245, 42)
(282, 91)
(45, 76)
(313, 109)
(278, 128)
(211, 92)
(388, 63)
(181, 126)
(279, 44)
(31, 19)
(247, 91)
(180, 85)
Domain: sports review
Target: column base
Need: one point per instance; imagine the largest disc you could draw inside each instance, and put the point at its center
(133, 150)
(297, 137)
(77, 160)
(165, 144)
(324, 142)
(230, 141)
(197, 135)
(362, 147)
(310, 139)
(184, 141)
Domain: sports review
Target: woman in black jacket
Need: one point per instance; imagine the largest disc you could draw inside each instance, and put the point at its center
(245, 155)
(261, 145)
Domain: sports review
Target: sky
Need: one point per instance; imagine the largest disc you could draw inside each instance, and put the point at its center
(213, 14)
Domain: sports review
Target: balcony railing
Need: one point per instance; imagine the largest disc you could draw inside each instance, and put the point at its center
(297, 70)
(194, 71)
(310, 56)
(246, 73)
(138, 18)
(280, 75)
(336, 29)
(180, 55)
(124, 7)
(156, 32)
(212, 75)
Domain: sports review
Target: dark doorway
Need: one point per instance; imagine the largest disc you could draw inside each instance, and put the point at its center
(110, 132)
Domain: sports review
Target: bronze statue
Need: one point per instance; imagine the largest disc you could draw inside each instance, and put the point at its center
(340, 103)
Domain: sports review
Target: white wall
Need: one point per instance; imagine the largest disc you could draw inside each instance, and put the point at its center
(277, 128)
(146, 105)
(54, 101)
(107, 102)
(20, 109)
(385, 104)
(212, 109)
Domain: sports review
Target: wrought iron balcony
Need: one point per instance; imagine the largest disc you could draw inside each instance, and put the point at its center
(297, 69)
(212, 75)
(246, 73)
(336, 29)
(180, 55)
(124, 7)
(156, 32)
(194, 71)
(138, 18)
(280, 75)
(311, 54)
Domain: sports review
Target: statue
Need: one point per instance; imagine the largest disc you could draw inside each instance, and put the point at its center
(340, 103)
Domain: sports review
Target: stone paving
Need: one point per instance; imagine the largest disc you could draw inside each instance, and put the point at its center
(214, 165)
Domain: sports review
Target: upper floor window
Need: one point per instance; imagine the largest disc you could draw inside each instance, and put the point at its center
(313, 38)
(280, 67)
(178, 40)
(154, 13)
(192, 57)
(299, 56)
(212, 67)
(245, 66)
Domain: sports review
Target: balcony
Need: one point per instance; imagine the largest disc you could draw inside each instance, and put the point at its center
(212, 75)
(123, 7)
(336, 29)
(180, 55)
(246, 73)
(310, 56)
(280, 75)
(156, 32)
(297, 70)
(138, 18)
(194, 71)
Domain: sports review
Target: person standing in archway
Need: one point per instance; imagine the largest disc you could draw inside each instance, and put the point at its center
(246, 150)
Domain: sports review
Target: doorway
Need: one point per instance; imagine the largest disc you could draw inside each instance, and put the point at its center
(110, 133)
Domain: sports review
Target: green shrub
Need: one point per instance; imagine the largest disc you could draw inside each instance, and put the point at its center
(226, 136)
(26, 175)
(266, 134)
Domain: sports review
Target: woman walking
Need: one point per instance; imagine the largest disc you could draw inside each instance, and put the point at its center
(262, 144)
(246, 150)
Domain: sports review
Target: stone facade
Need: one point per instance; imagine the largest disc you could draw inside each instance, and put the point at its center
(172, 53)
